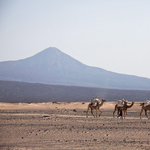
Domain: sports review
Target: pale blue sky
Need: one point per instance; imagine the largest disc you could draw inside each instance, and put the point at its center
(110, 34)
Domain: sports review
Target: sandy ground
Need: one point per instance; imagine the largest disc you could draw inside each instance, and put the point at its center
(52, 126)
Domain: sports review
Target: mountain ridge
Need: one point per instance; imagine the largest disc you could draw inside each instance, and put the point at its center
(12, 91)
(51, 66)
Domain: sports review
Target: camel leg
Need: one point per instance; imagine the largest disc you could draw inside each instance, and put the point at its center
(114, 110)
(92, 112)
(126, 112)
(118, 111)
(100, 112)
(141, 112)
(146, 113)
(96, 113)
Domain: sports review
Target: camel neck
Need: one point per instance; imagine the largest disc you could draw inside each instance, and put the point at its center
(102, 103)
(130, 105)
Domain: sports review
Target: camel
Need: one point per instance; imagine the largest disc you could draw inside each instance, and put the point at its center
(147, 107)
(96, 107)
(122, 108)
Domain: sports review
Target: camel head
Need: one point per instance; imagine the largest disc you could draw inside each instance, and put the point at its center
(129, 106)
(141, 104)
(103, 100)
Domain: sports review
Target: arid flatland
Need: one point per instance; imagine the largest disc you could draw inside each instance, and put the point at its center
(44, 126)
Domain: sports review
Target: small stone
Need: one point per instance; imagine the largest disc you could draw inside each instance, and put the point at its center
(74, 110)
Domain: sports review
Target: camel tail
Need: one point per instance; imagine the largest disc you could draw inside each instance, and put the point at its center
(87, 111)
(115, 110)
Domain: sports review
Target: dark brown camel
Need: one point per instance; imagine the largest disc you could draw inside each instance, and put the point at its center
(122, 108)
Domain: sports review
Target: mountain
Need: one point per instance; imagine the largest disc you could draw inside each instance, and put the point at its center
(51, 66)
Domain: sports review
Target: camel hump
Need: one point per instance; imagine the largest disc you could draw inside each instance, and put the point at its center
(95, 101)
(122, 102)
(93, 104)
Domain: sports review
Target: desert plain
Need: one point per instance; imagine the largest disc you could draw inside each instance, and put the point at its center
(64, 125)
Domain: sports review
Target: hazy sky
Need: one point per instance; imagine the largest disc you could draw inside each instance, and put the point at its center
(110, 34)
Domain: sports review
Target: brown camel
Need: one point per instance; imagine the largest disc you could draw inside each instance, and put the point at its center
(147, 107)
(122, 108)
(96, 107)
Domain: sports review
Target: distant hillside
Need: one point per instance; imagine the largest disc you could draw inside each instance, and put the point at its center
(51, 66)
(33, 92)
